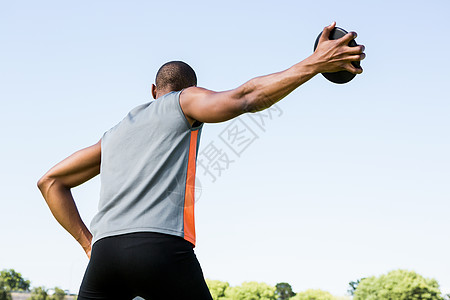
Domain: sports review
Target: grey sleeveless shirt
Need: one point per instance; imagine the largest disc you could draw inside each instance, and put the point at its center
(147, 172)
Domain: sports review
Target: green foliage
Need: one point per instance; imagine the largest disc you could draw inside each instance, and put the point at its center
(398, 285)
(283, 291)
(353, 285)
(217, 288)
(58, 295)
(5, 293)
(14, 281)
(313, 295)
(39, 293)
(251, 291)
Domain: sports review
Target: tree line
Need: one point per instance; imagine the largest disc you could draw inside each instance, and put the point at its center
(12, 281)
(395, 285)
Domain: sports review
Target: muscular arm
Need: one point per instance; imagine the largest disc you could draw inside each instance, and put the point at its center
(56, 184)
(261, 92)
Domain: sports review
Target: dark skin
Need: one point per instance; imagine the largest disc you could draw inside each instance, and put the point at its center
(198, 104)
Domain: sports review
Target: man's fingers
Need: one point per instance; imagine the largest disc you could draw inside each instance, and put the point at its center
(357, 57)
(348, 37)
(342, 55)
(352, 69)
(326, 32)
(362, 56)
(355, 50)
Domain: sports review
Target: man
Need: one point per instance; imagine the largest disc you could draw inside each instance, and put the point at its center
(144, 234)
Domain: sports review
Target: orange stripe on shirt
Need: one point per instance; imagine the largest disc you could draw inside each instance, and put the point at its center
(189, 195)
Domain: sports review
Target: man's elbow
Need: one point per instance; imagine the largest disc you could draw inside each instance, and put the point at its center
(44, 183)
(253, 99)
(255, 103)
(247, 96)
(40, 183)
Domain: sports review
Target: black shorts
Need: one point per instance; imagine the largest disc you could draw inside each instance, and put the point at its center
(151, 265)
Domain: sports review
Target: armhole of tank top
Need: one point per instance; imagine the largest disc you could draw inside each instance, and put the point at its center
(191, 128)
(102, 140)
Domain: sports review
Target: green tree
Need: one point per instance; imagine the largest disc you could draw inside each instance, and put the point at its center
(217, 288)
(59, 294)
(313, 295)
(5, 293)
(14, 281)
(353, 285)
(251, 291)
(283, 291)
(39, 293)
(398, 285)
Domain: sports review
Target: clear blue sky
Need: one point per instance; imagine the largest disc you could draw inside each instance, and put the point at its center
(345, 181)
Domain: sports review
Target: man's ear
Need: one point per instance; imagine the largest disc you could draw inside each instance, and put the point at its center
(154, 91)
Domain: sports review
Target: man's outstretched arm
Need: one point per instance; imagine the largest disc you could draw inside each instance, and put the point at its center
(55, 186)
(261, 92)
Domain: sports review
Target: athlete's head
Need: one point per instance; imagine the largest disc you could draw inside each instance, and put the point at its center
(173, 76)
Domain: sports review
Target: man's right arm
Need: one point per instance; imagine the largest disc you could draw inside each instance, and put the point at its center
(261, 92)
(56, 187)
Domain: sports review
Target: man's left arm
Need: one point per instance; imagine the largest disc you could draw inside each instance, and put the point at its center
(56, 184)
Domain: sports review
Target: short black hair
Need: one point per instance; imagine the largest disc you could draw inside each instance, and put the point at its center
(175, 76)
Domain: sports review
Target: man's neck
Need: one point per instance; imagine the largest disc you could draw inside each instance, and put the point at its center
(160, 94)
